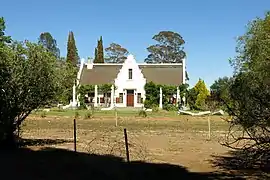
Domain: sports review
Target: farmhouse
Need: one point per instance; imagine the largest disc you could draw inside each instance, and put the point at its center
(128, 80)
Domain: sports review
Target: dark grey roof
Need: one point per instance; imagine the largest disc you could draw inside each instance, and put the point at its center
(157, 73)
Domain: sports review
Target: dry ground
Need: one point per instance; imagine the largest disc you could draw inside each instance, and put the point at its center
(162, 145)
(160, 137)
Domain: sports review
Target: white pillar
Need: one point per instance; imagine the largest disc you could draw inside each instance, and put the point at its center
(125, 97)
(112, 96)
(184, 79)
(135, 98)
(74, 103)
(177, 96)
(96, 96)
(160, 98)
(184, 70)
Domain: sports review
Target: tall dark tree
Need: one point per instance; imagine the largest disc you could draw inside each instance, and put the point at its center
(115, 53)
(72, 52)
(49, 43)
(169, 48)
(96, 55)
(100, 53)
(3, 38)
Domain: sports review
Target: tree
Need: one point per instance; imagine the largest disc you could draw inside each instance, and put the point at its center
(100, 53)
(198, 95)
(96, 55)
(3, 39)
(49, 43)
(28, 80)
(168, 50)
(116, 53)
(72, 52)
(219, 92)
(250, 92)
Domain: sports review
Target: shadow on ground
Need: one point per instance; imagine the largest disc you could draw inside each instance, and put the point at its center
(240, 162)
(42, 142)
(51, 163)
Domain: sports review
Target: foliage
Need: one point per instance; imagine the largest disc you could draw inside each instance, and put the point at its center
(202, 93)
(100, 54)
(115, 53)
(250, 91)
(191, 98)
(151, 95)
(83, 90)
(43, 114)
(96, 55)
(3, 39)
(142, 113)
(89, 115)
(152, 91)
(219, 92)
(170, 107)
(66, 80)
(29, 80)
(168, 50)
(77, 115)
(183, 88)
(72, 52)
(49, 43)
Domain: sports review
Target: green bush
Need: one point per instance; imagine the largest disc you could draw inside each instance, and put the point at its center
(155, 108)
(170, 107)
(142, 113)
(43, 114)
(77, 115)
(88, 115)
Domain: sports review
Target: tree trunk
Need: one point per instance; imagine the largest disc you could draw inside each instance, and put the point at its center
(9, 141)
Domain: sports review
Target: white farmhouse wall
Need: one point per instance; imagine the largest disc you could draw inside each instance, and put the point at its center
(123, 83)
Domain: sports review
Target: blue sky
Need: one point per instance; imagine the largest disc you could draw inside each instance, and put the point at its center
(209, 27)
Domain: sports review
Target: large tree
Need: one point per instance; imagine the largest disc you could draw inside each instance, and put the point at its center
(250, 91)
(115, 53)
(3, 38)
(99, 52)
(72, 52)
(28, 80)
(169, 48)
(49, 43)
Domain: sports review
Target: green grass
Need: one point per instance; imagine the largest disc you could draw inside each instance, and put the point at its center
(109, 113)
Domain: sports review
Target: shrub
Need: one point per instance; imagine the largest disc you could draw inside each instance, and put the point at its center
(77, 115)
(43, 114)
(155, 108)
(170, 107)
(88, 115)
(142, 113)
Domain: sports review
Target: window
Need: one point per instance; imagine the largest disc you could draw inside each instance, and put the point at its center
(129, 73)
(139, 98)
(120, 97)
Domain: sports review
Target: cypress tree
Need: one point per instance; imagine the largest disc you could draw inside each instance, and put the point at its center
(72, 52)
(100, 51)
(96, 57)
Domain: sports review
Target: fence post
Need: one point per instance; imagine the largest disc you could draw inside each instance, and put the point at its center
(209, 128)
(75, 135)
(126, 143)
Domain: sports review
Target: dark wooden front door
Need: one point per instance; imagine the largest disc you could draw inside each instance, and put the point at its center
(130, 98)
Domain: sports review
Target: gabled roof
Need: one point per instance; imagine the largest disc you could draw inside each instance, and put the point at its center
(166, 74)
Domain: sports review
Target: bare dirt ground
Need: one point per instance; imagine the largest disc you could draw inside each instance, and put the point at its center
(161, 145)
(182, 141)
